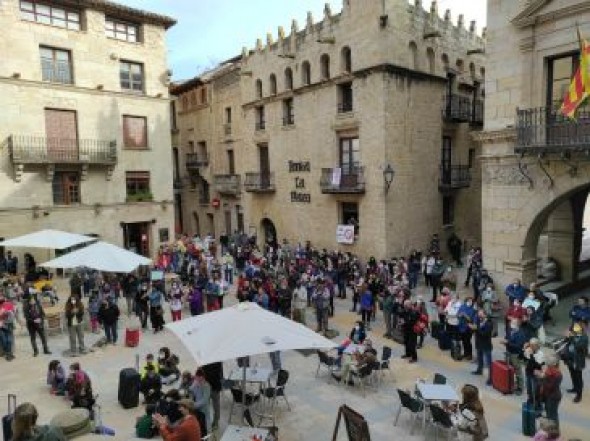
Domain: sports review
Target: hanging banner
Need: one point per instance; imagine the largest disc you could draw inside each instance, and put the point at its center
(336, 176)
(345, 234)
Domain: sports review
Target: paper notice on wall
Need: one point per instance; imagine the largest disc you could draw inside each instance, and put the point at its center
(336, 175)
(345, 234)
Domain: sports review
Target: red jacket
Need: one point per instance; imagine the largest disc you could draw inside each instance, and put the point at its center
(188, 430)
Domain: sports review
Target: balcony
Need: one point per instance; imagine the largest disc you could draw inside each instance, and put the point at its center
(260, 182)
(227, 184)
(477, 114)
(345, 106)
(457, 108)
(343, 181)
(454, 178)
(545, 130)
(26, 149)
(195, 161)
(260, 125)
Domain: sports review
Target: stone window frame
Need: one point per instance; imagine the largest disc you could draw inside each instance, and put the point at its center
(129, 142)
(52, 68)
(346, 59)
(66, 193)
(413, 55)
(288, 78)
(431, 59)
(132, 82)
(305, 73)
(273, 84)
(139, 182)
(345, 209)
(258, 88)
(121, 30)
(325, 67)
(53, 15)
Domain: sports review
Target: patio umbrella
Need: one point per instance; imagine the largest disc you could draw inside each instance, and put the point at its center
(51, 239)
(101, 256)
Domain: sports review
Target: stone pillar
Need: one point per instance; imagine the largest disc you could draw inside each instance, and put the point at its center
(525, 270)
(560, 239)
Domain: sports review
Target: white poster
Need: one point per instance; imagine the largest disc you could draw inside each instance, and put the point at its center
(345, 234)
(336, 175)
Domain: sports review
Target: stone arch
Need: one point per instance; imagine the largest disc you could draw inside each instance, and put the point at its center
(325, 67)
(259, 88)
(413, 49)
(346, 59)
(273, 84)
(288, 79)
(430, 58)
(305, 73)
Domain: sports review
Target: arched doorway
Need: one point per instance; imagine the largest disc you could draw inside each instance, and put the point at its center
(269, 232)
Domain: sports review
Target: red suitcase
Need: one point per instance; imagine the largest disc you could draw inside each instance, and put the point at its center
(131, 337)
(503, 377)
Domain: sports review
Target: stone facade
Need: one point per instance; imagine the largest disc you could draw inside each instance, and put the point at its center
(378, 73)
(93, 149)
(535, 182)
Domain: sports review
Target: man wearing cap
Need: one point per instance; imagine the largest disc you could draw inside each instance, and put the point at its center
(187, 429)
(574, 357)
(321, 299)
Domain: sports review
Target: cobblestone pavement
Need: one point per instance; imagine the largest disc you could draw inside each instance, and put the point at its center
(314, 401)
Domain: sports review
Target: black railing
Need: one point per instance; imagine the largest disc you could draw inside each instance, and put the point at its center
(454, 177)
(260, 125)
(25, 149)
(547, 130)
(260, 182)
(227, 184)
(477, 114)
(457, 108)
(196, 160)
(345, 106)
(343, 180)
(289, 120)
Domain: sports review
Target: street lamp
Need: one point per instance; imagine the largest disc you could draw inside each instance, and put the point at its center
(388, 174)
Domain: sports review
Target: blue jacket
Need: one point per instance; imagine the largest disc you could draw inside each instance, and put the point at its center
(467, 314)
(366, 300)
(516, 341)
(580, 313)
(517, 292)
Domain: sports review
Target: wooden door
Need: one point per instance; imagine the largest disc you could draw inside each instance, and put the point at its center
(264, 166)
(61, 130)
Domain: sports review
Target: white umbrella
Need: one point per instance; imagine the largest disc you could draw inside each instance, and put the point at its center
(100, 256)
(51, 239)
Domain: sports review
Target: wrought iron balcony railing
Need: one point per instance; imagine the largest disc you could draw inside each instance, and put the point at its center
(547, 130)
(227, 184)
(195, 161)
(457, 108)
(454, 177)
(340, 180)
(260, 182)
(25, 149)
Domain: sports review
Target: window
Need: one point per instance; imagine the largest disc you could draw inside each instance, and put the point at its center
(135, 132)
(305, 73)
(228, 115)
(414, 64)
(346, 59)
(560, 72)
(288, 79)
(430, 57)
(231, 162)
(260, 122)
(202, 150)
(56, 65)
(325, 66)
(193, 98)
(472, 70)
(203, 95)
(131, 76)
(471, 158)
(173, 122)
(138, 185)
(345, 98)
(50, 15)
(350, 155)
(349, 215)
(66, 188)
(273, 84)
(258, 88)
(445, 61)
(288, 116)
(121, 30)
(448, 210)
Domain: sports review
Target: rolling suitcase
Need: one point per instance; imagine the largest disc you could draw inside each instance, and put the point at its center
(7, 419)
(435, 329)
(445, 342)
(129, 388)
(502, 377)
(131, 337)
(529, 417)
(456, 351)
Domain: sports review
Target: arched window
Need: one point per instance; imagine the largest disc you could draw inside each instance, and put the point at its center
(259, 88)
(305, 73)
(288, 79)
(273, 84)
(346, 60)
(430, 58)
(413, 56)
(325, 66)
(445, 61)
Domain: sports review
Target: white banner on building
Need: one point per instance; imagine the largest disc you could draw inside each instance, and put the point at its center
(345, 234)
(336, 175)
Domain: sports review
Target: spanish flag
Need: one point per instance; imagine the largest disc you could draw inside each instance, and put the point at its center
(579, 88)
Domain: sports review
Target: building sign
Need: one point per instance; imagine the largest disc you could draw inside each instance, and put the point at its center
(345, 234)
(299, 194)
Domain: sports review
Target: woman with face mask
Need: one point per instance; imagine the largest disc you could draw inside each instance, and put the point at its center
(466, 315)
(74, 312)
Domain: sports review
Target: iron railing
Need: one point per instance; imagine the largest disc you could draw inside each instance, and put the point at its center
(547, 130)
(343, 180)
(478, 112)
(194, 161)
(454, 177)
(457, 108)
(259, 182)
(227, 184)
(26, 149)
(345, 106)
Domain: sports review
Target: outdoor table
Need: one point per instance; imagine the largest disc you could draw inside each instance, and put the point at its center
(435, 392)
(238, 433)
(352, 348)
(253, 375)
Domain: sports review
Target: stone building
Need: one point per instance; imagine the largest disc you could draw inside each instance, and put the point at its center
(363, 118)
(535, 161)
(85, 126)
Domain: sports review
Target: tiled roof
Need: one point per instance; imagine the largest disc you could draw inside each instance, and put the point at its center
(125, 12)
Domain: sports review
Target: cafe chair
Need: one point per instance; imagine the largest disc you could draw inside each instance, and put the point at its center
(413, 405)
(440, 419)
(242, 401)
(383, 364)
(439, 379)
(326, 362)
(272, 393)
(362, 374)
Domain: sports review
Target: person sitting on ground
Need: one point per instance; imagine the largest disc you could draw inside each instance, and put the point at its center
(25, 428)
(145, 426)
(168, 366)
(149, 361)
(188, 429)
(56, 377)
(151, 385)
(548, 431)
(186, 381)
(366, 355)
(79, 388)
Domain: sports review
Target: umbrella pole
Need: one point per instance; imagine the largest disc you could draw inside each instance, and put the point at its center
(243, 392)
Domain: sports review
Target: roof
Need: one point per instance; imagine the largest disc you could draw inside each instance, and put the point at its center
(206, 77)
(124, 12)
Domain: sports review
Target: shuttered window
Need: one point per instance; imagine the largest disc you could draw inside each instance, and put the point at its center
(138, 183)
(135, 132)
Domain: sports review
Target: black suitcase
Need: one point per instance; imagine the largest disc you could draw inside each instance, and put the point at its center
(456, 351)
(445, 341)
(129, 388)
(435, 330)
(7, 419)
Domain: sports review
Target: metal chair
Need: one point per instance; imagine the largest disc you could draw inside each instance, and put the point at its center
(383, 364)
(415, 406)
(245, 401)
(327, 362)
(441, 420)
(362, 374)
(439, 379)
(272, 393)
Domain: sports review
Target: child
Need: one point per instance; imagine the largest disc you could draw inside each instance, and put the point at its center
(145, 427)
(56, 378)
(93, 307)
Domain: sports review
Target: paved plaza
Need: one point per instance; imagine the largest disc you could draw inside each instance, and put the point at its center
(314, 401)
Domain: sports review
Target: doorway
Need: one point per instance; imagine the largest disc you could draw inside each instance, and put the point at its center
(211, 224)
(269, 232)
(197, 224)
(136, 237)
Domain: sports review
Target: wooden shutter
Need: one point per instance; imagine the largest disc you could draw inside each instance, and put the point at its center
(62, 134)
(135, 132)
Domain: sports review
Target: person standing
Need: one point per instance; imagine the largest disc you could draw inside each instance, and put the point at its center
(142, 304)
(201, 391)
(466, 315)
(515, 341)
(299, 303)
(76, 284)
(410, 317)
(534, 359)
(156, 312)
(574, 356)
(11, 264)
(130, 287)
(321, 299)
(34, 317)
(550, 378)
(483, 329)
(7, 319)
(108, 316)
(388, 306)
(214, 376)
(74, 312)
(366, 303)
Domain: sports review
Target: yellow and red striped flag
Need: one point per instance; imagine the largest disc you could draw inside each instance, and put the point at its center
(579, 88)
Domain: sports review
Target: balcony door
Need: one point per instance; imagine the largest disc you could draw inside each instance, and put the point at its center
(61, 130)
(446, 160)
(264, 162)
(350, 161)
(231, 162)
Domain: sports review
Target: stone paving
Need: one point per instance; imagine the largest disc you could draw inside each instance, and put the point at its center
(314, 401)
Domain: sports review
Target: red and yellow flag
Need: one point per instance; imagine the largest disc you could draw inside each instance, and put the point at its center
(579, 88)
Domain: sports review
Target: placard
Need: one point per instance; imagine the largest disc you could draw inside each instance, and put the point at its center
(156, 275)
(336, 177)
(345, 234)
(357, 428)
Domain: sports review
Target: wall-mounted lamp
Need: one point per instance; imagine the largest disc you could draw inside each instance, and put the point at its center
(388, 174)
(290, 56)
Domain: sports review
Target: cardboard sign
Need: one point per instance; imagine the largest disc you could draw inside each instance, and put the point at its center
(345, 234)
